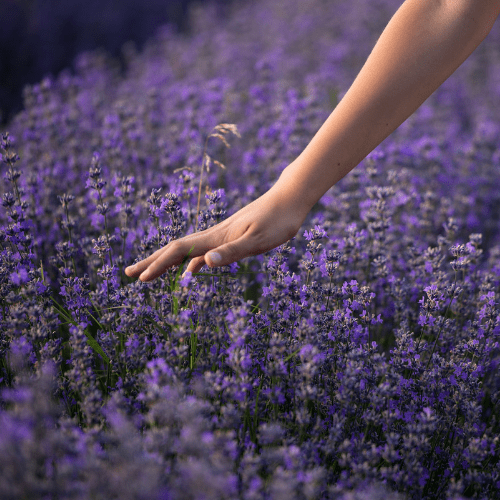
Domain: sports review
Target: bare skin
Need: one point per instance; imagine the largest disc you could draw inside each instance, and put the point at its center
(264, 224)
(422, 45)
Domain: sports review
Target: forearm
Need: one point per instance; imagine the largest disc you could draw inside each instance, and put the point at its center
(422, 45)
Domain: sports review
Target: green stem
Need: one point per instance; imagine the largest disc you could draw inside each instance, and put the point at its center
(105, 227)
(442, 326)
(199, 187)
(329, 293)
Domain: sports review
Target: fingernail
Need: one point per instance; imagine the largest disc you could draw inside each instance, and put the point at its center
(214, 257)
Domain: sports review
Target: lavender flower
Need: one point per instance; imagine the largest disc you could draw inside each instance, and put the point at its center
(357, 360)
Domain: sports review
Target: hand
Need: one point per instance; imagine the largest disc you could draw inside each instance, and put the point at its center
(264, 224)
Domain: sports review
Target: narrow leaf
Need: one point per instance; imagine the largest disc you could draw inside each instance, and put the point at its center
(92, 342)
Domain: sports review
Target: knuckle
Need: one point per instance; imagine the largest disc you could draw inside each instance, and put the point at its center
(175, 246)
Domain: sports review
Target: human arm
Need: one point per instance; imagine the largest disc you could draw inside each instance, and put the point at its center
(421, 46)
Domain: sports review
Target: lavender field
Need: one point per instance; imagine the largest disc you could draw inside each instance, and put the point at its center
(358, 361)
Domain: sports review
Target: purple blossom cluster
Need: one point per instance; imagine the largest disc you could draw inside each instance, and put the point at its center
(357, 361)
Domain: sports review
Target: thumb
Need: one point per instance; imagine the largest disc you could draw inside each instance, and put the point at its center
(226, 254)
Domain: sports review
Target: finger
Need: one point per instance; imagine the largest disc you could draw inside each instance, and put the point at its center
(175, 253)
(233, 251)
(196, 264)
(137, 269)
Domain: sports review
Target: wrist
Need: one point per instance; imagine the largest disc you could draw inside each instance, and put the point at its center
(292, 187)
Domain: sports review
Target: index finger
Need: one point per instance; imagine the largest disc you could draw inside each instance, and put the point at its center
(170, 255)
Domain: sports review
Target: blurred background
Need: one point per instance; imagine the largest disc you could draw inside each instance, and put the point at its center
(40, 37)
